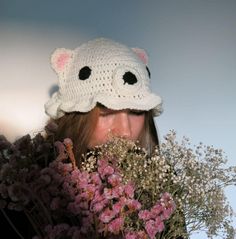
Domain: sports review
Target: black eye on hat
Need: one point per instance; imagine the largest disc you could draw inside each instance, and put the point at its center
(149, 73)
(129, 78)
(84, 73)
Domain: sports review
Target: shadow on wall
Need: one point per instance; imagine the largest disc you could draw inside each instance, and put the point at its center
(53, 89)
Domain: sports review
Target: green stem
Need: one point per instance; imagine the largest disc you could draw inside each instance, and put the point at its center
(34, 225)
(11, 224)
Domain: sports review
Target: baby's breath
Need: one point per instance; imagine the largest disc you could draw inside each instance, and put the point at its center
(195, 176)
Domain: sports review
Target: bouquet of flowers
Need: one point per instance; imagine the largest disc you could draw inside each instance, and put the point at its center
(119, 191)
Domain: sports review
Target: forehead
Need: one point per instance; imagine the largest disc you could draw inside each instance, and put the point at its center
(101, 107)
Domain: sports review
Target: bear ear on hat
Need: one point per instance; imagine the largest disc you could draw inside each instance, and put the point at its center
(141, 53)
(60, 59)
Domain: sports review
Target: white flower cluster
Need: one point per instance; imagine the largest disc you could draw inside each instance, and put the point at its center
(195, 176)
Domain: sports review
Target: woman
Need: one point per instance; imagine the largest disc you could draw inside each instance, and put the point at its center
(103, 90)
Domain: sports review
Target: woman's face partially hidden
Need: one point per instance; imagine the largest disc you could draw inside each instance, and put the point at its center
(122, 123)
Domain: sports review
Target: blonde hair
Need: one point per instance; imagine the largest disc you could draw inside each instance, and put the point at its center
(79, 127)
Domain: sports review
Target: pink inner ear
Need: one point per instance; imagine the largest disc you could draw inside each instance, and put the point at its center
(141, 54)
(62, 60)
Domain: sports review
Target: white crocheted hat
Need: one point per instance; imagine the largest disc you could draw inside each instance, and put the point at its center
(101, 71)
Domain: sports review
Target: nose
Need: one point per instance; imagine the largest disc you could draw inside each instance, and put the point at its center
(122, 126)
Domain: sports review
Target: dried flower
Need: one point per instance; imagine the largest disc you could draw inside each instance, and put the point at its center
(120, 191)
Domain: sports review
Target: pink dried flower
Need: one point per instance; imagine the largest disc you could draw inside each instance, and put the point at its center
(159, 224)
(70, 191)
(87, 223)
(168, 207)
(75, 176)
(118, 206)
(136, 235)
(167, 213)
(116, 225)
(129, 190)
(131, 235)
(157, 209)
(145, 215)
(89, 192)
(151, 228)
(55, 204)
(74, 208)
(84, 205)
(104, 168)
(107, 215)
(110, 193)
(119, 190)
(105, 171)
(54, 231)
(133, 205)
(18, 193)
(114, 180)
(83, 178)
(98, 207)
(95, 179)
(100, 199)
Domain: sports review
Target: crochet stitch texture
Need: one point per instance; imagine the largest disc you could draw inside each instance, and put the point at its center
(101, 71)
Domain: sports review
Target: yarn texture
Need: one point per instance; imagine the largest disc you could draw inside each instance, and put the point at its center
(101, 71)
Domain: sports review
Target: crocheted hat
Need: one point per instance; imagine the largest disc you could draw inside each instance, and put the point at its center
(101, 71)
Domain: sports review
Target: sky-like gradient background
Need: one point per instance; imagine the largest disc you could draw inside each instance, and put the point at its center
(192, 52)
